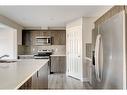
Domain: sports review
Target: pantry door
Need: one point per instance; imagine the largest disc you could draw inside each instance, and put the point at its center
(74, 52)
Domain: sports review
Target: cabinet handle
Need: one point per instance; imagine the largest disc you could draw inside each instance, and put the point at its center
(37, 74)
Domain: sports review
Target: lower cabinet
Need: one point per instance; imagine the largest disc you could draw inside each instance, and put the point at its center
(40, 79)
(58, 64)
(27, 85)
(34, 84)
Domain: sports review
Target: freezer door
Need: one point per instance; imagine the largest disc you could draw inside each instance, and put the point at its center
(112, 37)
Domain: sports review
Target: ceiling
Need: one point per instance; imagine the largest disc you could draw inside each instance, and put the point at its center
(49, 16)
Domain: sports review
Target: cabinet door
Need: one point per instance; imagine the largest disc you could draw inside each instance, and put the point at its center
(58, 64)
(43, 77)
(34, 34)
(62, 37)
(27, 85)
(40, 78)
(34, 81)
(45, 33)
(26, 37)
(54, 64)
(62, 64)
(58, 37)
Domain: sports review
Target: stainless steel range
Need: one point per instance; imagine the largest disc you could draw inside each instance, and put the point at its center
(43, 54)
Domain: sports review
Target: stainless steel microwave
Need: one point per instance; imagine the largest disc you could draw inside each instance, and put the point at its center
(43, 40)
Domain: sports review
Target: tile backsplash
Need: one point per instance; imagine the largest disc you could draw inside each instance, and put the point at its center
(21, 49)
(57, 49)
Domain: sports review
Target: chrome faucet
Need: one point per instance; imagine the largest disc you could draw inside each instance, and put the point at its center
(4, 56)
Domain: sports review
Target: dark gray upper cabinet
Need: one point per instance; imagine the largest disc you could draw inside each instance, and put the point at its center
(58, 37)
(29, 36)
(26, 38)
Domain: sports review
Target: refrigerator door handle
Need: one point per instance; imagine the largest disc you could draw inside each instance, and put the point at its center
(99, 58)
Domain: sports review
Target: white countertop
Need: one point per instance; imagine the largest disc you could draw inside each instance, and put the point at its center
(58, 55)
(14, 75)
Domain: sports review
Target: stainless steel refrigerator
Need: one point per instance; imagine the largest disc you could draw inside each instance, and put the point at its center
(111, 71)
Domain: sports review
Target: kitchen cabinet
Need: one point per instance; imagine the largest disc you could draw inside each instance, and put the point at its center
(38, 81)
(26, 85)
(43, 78)
(34, 81)
(58, 37)
(58, 64)
(26, 38)
(40, 78)
(33, 36)
(45, 33)
(29, 36)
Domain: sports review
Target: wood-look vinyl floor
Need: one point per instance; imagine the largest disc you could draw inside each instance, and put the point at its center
(61, 81)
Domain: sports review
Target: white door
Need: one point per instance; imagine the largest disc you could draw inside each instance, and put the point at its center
(74, 52)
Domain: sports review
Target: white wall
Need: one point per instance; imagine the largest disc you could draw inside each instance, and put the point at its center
(8, 43)
(88, 25)
(10, 23)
